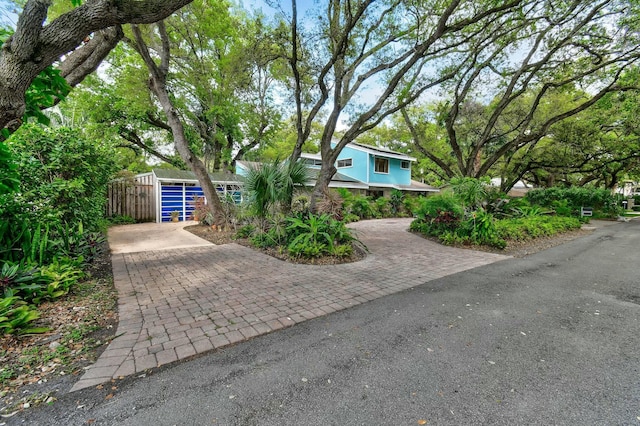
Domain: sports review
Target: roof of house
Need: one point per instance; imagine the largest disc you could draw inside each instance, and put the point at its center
(317, 156)
(415, 186)
(337, 181)
(375, 150)
(248, 164)
(185, 175)
(418, 187)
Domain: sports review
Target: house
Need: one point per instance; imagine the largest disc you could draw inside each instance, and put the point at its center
(364, 169)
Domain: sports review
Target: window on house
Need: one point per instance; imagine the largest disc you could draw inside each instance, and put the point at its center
(345, 163)
(405, 164)
(381, 165)
(312, 162)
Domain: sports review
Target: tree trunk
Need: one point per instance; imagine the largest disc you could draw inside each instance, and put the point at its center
(322, 184)
(157, 84)
(182, 146)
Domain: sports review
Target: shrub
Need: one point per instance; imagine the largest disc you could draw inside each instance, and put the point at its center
(63, 176)
(273, 184)
(331, 203)
(311, 233)
(308, 235)
(245, 231)
(382, 208)
(575, 197)
(439, 213)
(360, 206)
(396, 200)
(300, 204)
(525, 228)
(14, 274)
(120, 219)
(471, 192)
(479, 228)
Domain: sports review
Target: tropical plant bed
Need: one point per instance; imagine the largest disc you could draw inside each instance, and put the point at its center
(228, 236)
(281, 253)
(522, 248)
(34, 367)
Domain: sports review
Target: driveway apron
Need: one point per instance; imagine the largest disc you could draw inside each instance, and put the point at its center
(176, 303)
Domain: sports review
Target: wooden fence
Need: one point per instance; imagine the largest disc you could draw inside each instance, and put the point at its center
(132, 197)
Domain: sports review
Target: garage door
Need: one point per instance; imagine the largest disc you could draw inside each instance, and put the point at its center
(178, 197)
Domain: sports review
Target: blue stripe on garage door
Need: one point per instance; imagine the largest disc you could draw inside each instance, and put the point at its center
(180, 197)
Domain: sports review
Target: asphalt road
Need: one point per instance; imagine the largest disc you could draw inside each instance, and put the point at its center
(553, 338)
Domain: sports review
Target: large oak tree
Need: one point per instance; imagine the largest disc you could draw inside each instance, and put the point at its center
(525, 75)
(77, 41)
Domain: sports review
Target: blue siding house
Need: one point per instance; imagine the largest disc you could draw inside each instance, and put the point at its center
(364, 169)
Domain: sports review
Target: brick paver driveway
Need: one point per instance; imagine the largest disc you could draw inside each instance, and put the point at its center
(177, 303)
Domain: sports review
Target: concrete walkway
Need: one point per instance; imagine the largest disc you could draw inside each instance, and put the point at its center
(177, 303)
(153, 236)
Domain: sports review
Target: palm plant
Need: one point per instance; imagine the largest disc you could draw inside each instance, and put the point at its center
(273, 184)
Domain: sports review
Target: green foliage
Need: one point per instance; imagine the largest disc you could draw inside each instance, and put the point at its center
(439, 213)
(525, 228)
(58, 277)
(309, 235)
(342, 250)
(63, 177)
(382, 207)
(304, 235)
(245, 231)
(270, 238)
(42, 244)
(120, 219)
(479, 228)
(9, 181)
(568, 201)
(442, 216)
(48, 282)
(272, 184)
(318, 235)
(411, 204)
(471, 192)
(14, 274)
(300, 204)
(16, 316)
(45, 90)
(272, 234)
(360, 206)
(396, 201)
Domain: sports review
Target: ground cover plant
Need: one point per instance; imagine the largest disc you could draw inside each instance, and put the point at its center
(472, 212)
